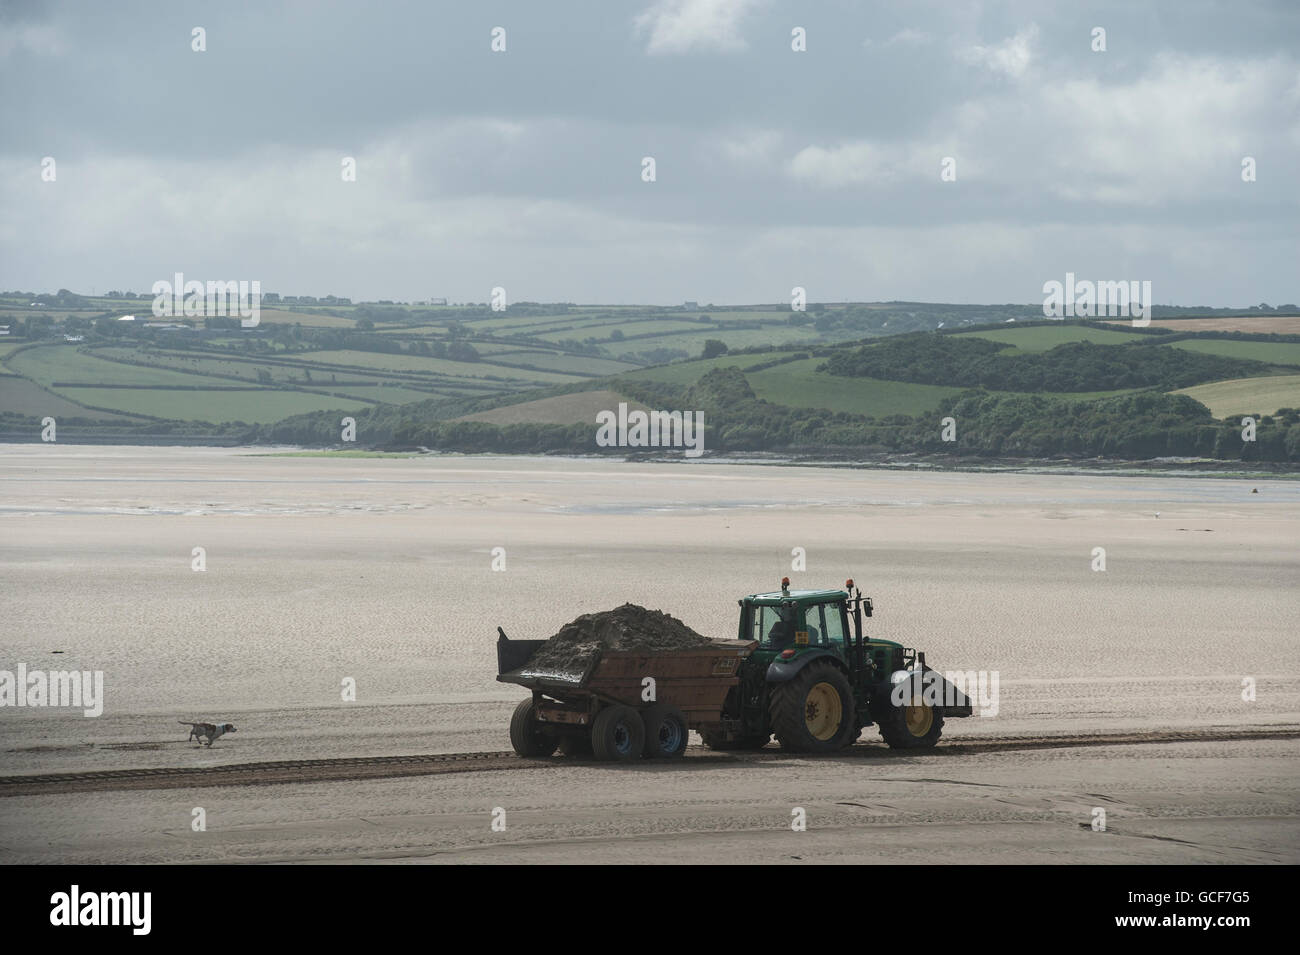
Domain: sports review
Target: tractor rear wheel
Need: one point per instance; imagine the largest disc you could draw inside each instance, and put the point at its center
(814, 712)
(525, 736)
(666, 732)
(913, 727)
(617, 733)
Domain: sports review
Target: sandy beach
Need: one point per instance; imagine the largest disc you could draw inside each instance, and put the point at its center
(380, 571)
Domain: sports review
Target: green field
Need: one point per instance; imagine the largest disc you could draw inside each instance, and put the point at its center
(777, 317)
(603, 330)
(276, 316)
(421, 330)
(200, 365)
(530, 324)
(254, 407)
(83, 373)
(798, 385)
(777, 335)
(51, 363)
(1044, 337)
(440, 366)
(558, 361)
(689, 372)
(20, 396)
(1278, 353)
(1242, 396)
(383, 394)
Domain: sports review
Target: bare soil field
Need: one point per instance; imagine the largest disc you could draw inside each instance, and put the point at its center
(1120, 689)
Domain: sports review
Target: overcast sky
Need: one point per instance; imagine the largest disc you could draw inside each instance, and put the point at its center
(775, 168)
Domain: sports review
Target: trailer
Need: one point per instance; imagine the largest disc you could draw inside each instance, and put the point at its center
(625, 705)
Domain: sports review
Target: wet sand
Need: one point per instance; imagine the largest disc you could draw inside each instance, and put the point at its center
(380, 571)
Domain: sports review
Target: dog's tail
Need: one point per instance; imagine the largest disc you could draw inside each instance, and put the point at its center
(183, 723)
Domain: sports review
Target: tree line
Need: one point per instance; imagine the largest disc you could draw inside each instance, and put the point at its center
(970, 362)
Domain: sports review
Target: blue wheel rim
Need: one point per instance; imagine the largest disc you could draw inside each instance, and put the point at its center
(670, 736)
(622, 739)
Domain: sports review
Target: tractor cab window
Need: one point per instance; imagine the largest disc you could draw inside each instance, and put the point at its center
(825, 624)
(774, 626)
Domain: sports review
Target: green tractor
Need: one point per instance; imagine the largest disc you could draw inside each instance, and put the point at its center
(815, 680)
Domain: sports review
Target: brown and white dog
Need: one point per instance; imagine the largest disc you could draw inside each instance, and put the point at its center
(210, 730)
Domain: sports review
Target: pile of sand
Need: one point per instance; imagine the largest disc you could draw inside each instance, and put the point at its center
(628, 627)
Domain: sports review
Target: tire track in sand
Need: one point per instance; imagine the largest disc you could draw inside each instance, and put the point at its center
(380, 767)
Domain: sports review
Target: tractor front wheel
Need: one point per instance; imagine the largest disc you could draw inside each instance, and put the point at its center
(913, 727)
(813, 713)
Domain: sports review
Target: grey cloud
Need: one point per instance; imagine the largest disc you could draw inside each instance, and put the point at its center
(475, 167)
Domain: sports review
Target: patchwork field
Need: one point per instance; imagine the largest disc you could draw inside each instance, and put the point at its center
(65, 363)
(303, 360)
(798, 384)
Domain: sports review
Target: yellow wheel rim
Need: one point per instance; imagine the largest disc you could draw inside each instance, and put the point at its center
(919, 719)
(823, 711)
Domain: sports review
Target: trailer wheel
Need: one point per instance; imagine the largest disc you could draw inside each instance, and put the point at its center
(913, 727)
(617, 733)
(525, 736)
(666, 732)
(813, 713)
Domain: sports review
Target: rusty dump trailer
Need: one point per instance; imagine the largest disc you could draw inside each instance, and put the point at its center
(627, 704)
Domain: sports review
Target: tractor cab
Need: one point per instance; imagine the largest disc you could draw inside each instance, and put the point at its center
(792, 624)
(798, 618)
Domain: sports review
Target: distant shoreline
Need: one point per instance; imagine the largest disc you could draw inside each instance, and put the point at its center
(919, 463)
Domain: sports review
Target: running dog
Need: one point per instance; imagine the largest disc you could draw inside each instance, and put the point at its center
(211, 730)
